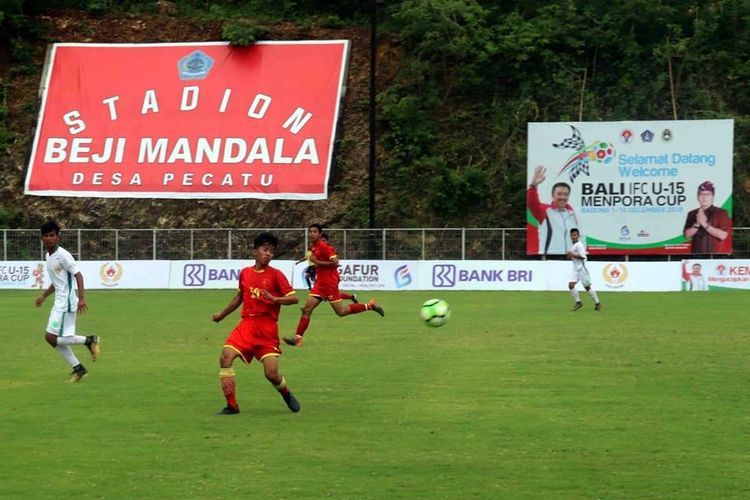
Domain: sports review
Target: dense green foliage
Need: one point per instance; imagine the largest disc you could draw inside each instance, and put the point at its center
(472, 73)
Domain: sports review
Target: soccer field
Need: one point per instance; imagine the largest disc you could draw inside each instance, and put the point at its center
(516, 397)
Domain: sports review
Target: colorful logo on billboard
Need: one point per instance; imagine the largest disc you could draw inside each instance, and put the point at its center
(615, 275)
(580, 163)
(402, 276)
(110, 273)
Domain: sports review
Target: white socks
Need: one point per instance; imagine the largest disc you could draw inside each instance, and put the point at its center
(67, 354)
(71, 340)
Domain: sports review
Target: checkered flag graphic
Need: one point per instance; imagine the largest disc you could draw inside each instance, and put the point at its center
(573, 142)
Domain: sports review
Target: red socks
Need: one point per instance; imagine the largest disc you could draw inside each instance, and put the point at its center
(302, 325)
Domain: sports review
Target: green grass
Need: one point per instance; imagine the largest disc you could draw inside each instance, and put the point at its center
(516, 397)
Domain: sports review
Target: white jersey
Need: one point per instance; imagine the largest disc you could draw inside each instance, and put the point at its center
(579, 272)
(62, 269)
(580, 249)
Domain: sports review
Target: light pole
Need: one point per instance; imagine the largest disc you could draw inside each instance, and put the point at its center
(373, 116)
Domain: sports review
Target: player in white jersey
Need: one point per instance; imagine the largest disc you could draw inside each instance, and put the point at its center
(577, 254)
(65, 279)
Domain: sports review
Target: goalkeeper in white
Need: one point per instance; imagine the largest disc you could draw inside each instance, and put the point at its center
(577, 254)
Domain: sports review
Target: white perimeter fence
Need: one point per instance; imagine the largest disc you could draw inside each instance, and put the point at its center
(377, 244)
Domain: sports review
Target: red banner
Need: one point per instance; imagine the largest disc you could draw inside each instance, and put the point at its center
(189, 120)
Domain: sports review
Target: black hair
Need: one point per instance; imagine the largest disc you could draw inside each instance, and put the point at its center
(560, 184)
(575, 230)
(50, 227)
(317, 226)
(266, 238)
(324, 236)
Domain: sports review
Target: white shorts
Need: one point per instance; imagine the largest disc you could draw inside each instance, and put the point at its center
(61, 322)
(581, 275)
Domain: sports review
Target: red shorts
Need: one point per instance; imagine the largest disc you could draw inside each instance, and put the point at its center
(326, 291)
(255, 337)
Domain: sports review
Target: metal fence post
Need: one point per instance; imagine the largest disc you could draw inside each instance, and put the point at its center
(424, 236)
(80, 257)
(502, 244)
(191, 245)
(5, 244)
(463, 243)
(229, 245)
(384, 242)
(153, 242)
(117, 244)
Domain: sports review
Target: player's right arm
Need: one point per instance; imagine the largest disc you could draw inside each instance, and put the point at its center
(233, 304)
(49, 291)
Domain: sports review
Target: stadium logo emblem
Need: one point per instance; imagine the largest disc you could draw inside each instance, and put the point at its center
(647, 136)
(110, 273)
(443, 276)
(195, 66)
(194, 275)
(402, 276)
(721, 269)
(615, 275)
(666, 135)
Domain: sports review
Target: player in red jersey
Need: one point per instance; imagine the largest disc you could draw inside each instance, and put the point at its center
(326, 286)
(262, 291)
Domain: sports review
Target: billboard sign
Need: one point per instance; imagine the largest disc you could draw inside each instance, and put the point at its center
(188, 120)
(649, 187)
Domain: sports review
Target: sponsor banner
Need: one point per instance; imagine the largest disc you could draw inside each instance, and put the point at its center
(195, 274)
(125, 274)
(23, 274)
(633, 276)
(401, 275)
(482, 275)
(369, 275)
(634, 186)
(705, 275)
(188, 120)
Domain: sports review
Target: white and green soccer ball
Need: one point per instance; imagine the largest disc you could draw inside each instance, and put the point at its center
(435, 312)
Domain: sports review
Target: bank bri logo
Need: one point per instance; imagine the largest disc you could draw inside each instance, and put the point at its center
(443, 275)
(194, 275)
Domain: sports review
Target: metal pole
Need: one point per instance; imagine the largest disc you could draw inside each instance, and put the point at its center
(463, 243)
(117, 244)
(229, 245)
(373, 90)
(503, 244)
(191, 245)
(153, 242)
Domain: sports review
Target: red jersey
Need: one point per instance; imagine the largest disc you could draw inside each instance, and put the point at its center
(328, 275)
(253, 281)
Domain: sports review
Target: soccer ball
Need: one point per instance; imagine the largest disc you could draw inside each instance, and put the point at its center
(435, 312)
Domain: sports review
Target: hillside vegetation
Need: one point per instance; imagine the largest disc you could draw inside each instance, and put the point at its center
(458, 80)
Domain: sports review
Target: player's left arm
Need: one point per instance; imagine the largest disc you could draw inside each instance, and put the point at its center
(285, 293)
(284, 300)
(233, 304)
(82, 306)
